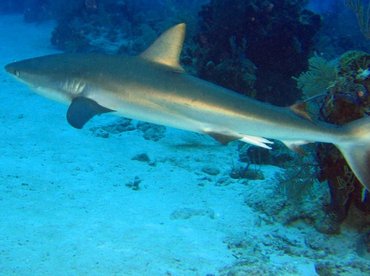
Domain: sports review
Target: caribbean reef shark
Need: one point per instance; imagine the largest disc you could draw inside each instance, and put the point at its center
(153, 87)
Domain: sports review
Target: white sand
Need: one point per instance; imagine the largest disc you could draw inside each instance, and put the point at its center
(65, 208)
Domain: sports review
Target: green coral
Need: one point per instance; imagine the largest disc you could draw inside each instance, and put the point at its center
(320, 76)
(353, 63)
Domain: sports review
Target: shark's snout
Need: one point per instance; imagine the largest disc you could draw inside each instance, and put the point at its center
(8, 68)
(12, 69)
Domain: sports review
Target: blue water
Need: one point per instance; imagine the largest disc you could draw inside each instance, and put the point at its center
(122, 197)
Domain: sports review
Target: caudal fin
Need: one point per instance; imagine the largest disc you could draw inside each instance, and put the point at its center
(356, 150)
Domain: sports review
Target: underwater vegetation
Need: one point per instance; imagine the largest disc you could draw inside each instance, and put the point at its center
(318, 78)
(362, 11)
(347, 100)
(346, 87)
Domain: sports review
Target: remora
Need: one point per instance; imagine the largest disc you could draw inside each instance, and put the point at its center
(153, 87)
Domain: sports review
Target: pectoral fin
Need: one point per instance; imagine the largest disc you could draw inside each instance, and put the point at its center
(82, 109)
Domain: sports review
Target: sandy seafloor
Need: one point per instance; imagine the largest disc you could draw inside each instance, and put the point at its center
(65, 208)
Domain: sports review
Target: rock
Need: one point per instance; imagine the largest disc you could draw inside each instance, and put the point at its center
(241, 171)
(211, 170)
(254, 174)
(100, 133)
(134, 185)
(223, 181)
(121, 125)
(187, 213)
(142, 157)
(151, 131)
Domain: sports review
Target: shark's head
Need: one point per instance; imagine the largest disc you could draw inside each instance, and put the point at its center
(48, 75)
(93, 84)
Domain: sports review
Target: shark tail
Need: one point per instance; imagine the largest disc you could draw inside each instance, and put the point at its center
(356, 149)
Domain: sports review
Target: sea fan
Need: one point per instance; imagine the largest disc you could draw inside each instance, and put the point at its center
(362, 12)
(320, 76)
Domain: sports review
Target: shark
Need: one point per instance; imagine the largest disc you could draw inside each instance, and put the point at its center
(154, 87)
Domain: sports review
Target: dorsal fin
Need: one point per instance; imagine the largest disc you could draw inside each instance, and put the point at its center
(167, 48)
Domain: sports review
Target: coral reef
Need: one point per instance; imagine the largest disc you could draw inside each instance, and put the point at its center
(296, 194)
(106, 25)
(298, 178)
(127, 26)
(236, 37)
(295, 239)
(347, 99)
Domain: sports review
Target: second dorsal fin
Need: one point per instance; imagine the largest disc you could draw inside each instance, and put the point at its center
(167, 48)
(301, 109)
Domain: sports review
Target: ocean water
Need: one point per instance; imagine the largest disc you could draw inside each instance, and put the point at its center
(123, 197)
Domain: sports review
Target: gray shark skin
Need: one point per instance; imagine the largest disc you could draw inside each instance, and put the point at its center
(153, 87)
